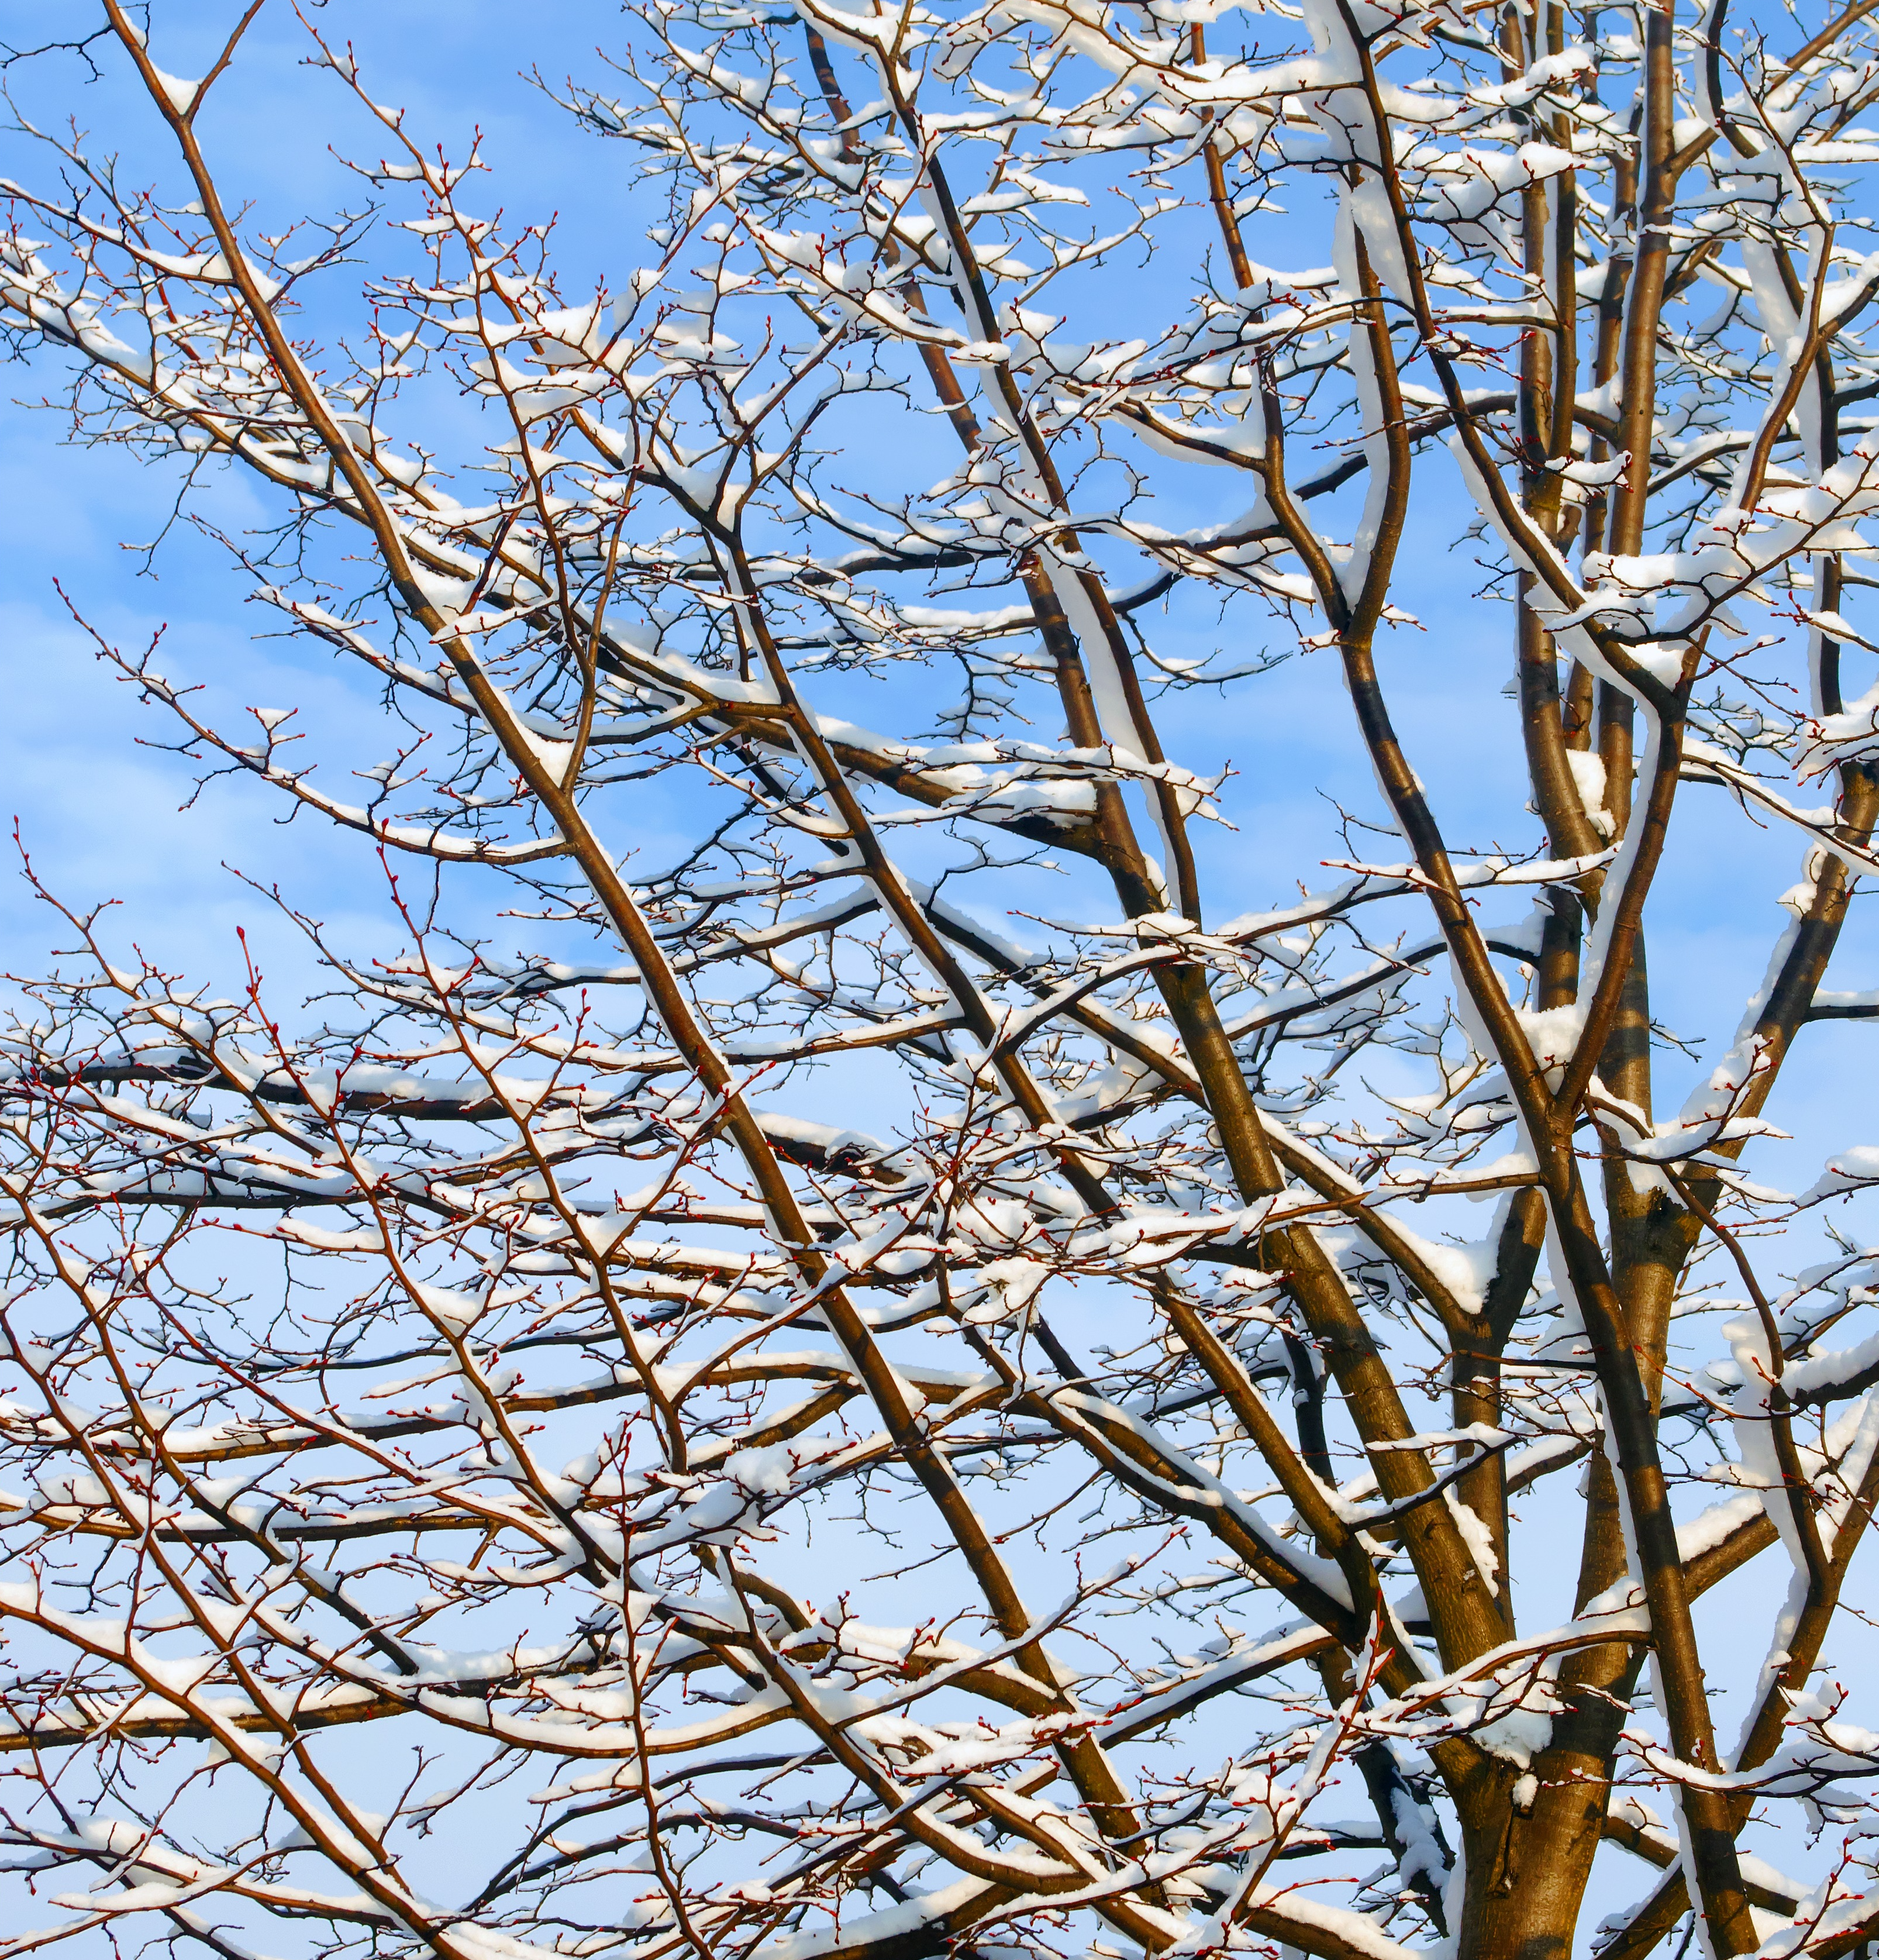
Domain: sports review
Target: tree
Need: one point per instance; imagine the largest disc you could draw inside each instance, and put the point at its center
(471, 1430)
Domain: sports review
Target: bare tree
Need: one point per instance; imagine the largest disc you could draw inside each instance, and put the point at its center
(469, 1433)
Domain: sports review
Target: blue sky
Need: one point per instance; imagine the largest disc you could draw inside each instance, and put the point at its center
(101, 814)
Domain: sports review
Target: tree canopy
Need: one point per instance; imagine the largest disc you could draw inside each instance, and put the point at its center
(889, 1322)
